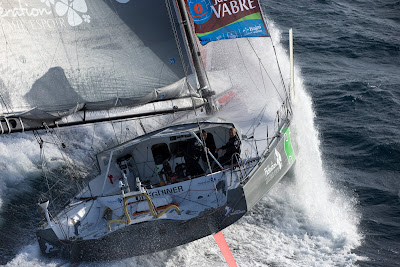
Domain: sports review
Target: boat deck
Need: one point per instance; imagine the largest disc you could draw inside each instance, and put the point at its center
(89, 219)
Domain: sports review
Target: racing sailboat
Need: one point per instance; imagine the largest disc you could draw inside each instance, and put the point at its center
(69, 63)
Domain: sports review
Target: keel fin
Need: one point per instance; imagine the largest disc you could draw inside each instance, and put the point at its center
(223, 246)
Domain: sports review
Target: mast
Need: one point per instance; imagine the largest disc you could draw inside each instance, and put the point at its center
(195, 52)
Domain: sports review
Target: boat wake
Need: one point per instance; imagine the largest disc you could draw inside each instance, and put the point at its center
(305, 220)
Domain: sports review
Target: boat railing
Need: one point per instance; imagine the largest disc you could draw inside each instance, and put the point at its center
(241, 167)
(282, 117)
(236, 161)
(152, 209)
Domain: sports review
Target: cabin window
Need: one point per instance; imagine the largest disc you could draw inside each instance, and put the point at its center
(178, 148)
(173, 138)
(160, 153)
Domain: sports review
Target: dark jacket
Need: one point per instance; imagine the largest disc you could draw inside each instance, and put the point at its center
(192, 155)
(193, 151)
(232, 146)
(210, 144)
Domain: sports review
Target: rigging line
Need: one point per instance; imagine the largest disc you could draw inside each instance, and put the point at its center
(120, 137)
(112, 124)
(5, 104)
(58, 43)
(276, 88)
(71, 170)
(200, 133)
(41, 142)
(59, 136)
(77, 57)
(230, 78)
(43, 163)
(191, 96)
(208, 206)
(59, 181)
(260, 115)
(223, 140)
(262, 76)
(208, 161)
(192, 50)
(37, 43)
(175, 32)
(61, 40)
(55, 52)
(180, 52)
(160, 75)
(247, 70)
(279, 67)
(94, 131)
(14, 57)
(263, 139)
(1, 95)
(276, 57)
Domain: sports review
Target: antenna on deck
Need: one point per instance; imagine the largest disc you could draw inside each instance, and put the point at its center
(44, 206)
(291, 64)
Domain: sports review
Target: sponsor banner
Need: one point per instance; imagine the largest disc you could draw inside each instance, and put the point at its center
(226, 19)
(28, 15)
(273, 167)
(167, 190)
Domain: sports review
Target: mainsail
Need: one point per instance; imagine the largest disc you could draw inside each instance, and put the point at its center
(62, 57)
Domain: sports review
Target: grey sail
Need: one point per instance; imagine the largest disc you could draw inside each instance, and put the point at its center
(64, 57)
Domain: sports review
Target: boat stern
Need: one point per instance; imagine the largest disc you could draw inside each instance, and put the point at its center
(50, 245)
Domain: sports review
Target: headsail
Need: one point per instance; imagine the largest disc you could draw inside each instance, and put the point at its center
(59, 57)
(216, 19)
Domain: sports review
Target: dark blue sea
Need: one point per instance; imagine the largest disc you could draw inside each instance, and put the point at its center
(345, 209)
(349, 55)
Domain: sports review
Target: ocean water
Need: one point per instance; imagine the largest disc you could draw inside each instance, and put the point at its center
(348, 53)
(341, 204)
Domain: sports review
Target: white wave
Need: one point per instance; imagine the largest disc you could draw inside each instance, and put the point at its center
(305, 220)
(18, 160)
(31, 256)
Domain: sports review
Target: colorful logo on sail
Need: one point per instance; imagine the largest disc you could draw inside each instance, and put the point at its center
(226, 19)
(200, 10)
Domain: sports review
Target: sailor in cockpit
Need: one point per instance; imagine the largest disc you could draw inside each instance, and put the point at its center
(230, 148)
(193, 152)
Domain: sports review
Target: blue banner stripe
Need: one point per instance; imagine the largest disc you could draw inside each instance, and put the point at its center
(247, 28)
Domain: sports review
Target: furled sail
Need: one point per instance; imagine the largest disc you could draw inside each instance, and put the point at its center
(62, 56)
(226, 19)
